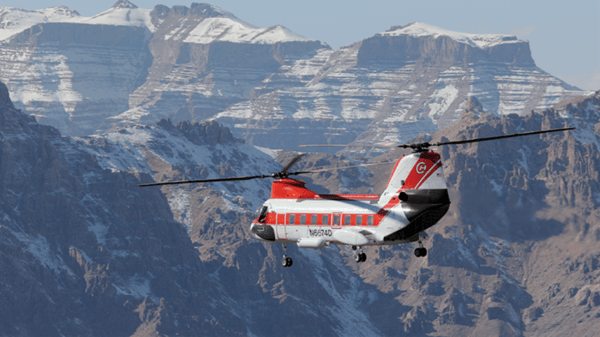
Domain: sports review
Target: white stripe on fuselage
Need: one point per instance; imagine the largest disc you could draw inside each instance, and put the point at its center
(393, 221)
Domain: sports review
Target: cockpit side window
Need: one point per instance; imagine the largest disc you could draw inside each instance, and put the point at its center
(263, 214)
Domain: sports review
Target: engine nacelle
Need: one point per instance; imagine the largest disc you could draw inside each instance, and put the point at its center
(314, 243)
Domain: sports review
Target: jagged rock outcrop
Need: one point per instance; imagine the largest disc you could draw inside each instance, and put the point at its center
(83, 250)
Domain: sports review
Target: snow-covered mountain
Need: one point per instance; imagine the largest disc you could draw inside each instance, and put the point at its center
(393, 86)
(131, 65)
(76, 73)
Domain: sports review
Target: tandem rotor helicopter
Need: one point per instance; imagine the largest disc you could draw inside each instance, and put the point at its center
(415, 199)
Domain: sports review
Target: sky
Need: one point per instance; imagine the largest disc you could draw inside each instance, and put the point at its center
(564, 36)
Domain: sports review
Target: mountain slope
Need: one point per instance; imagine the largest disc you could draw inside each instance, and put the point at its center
(84, 251)
(515, 254)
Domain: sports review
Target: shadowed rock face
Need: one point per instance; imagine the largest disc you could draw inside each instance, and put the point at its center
(83, 250)
(442, 50)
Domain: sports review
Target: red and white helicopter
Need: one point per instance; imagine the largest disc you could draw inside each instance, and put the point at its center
(415, 199)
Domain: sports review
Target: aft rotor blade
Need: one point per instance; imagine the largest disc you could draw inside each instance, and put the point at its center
(474, 140)
(292, 162)
(339, 168)
(205, 180)
(341, 145)
(426, 145)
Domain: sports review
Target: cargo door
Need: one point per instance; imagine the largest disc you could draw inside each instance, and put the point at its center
(281, 226)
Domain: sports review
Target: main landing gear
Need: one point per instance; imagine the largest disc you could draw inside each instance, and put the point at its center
(286, 261)
(421, 251)
(359, 256)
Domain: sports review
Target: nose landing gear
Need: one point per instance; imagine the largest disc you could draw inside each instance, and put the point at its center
(286, 261)
(359, 256)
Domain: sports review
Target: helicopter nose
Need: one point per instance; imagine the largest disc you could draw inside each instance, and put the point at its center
(262, 232)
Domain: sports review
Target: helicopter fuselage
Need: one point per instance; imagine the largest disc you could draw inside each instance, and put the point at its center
(415, 199)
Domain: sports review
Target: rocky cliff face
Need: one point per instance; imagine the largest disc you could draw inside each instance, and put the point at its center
(131, 65)
(515, 254)
(394, 86)
(84, 251)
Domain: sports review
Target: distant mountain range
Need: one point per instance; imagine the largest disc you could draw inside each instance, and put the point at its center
(131, 65)
(85, 252)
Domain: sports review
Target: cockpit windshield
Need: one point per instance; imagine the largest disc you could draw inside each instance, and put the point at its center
(262, 214)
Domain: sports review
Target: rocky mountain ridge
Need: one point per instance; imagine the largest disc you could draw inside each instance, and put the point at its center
(84, 252)
(529, 264)
(203, 63)
(516, 211)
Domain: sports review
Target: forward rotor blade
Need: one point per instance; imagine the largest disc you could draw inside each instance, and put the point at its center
(205, 180)
(339, 168)
(474, 140)
(292, 162)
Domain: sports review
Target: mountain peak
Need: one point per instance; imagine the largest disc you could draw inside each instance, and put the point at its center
(420, 29)
(124, 4)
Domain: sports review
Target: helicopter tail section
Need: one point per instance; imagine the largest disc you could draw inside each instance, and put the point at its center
(417, 171)
(418, 186)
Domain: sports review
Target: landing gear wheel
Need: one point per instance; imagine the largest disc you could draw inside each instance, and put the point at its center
(361, 257)
(420, 252)
(417, 252)
(287, 262)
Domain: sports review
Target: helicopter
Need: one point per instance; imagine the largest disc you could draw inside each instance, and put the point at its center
(415, 199)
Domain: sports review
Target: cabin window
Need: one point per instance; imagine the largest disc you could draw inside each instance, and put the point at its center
(292, 219)
(325, 220)
(370, 220)
(303, 219)
(336, 219)
(313, 219)
(359, 220)
(347, 220)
